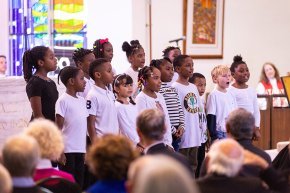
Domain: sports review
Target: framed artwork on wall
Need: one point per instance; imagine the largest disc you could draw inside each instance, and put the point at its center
(203, 28)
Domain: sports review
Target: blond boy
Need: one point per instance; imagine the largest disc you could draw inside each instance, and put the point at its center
(220, 103)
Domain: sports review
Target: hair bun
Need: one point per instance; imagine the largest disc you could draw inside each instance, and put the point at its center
(126, 47)
(135, 42)
(238, 58)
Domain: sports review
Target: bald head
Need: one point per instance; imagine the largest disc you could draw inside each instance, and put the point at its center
(5, 181)
(159, 174)
(225, 157)
(20, 155)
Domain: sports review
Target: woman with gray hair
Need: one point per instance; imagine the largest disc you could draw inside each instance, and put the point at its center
(159, 174)
(50, 141)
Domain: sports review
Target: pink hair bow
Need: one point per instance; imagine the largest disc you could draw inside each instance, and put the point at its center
(102, 41)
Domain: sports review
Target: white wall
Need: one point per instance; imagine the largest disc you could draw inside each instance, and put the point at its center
(111, 19)
(257, 29)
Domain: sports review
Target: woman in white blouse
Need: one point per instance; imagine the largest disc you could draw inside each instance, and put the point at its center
(270, 83)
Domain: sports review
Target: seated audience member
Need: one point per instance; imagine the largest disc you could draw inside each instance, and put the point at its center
(159, 174)
(151, 129)
(3, 66)
(5, 181)
(225, 159)
(270, 83)
(51, 145)
(109, 158)
(20, 157)
(240, 125)
(282, 160)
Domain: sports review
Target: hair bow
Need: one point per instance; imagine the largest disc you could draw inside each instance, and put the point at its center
(102, 41)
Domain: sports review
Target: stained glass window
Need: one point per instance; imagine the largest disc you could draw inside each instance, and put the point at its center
(59, 24)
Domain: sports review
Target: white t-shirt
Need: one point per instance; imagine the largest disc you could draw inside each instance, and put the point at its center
(190, 102)
(134, 76)
(74, 130)
(101, 103)
(89, 84)
(220, 104)
(127, 114)
(247, 99)
(144, 101)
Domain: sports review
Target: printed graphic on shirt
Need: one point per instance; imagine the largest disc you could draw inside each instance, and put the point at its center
(89, 104)
(190, 103)
(202, 122)
(201, 116)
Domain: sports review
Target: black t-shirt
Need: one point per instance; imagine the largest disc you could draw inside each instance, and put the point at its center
(48, 93)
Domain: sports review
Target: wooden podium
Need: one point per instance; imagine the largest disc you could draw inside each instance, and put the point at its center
(275, 124)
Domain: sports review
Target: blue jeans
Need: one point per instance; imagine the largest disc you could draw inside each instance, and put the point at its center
(221, 134)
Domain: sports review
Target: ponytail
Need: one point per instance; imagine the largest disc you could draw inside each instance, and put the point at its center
(27, 65)
(30, 60)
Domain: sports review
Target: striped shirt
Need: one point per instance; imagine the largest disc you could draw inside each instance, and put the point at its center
(176, 114)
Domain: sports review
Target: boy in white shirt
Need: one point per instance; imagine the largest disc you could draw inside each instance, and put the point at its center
(200, 82)
(71, 118)
(190, 102)
(101, 101)
(220, 103)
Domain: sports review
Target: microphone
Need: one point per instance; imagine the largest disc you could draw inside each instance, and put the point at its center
(178, 39)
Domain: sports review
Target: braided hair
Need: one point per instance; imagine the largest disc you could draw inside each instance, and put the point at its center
(79, 54)
(30, 60)
(143, 75)
(98, 47)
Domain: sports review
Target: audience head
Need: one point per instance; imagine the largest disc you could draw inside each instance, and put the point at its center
(226, 157)
(101, 70)
(5, 180)
(135, 53)
(102, 48)
(110, 156)
(3, 64)
(73, 77)
(83, 58)
(199, 81)
(269, 71)
(48, 137)
(150, 125)
(240, 124)
(36, 58)
(159, 174)
(171, 52)
(20, 155)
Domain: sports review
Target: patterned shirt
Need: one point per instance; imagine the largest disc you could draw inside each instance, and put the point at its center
(176, 114)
